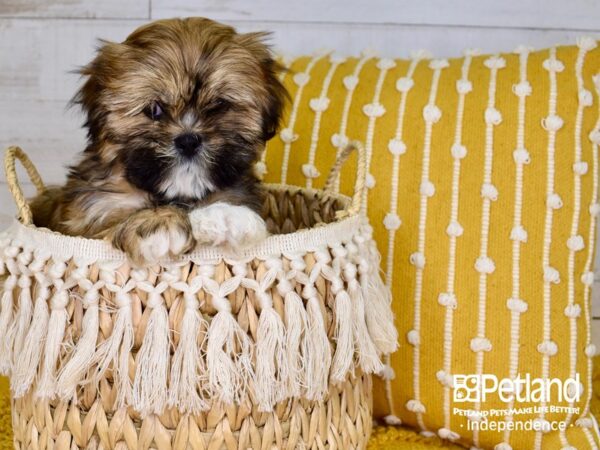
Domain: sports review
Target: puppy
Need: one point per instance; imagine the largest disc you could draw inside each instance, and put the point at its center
(176, 116)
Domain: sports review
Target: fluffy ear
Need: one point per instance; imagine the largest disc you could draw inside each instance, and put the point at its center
(95, 75)
(276, 94)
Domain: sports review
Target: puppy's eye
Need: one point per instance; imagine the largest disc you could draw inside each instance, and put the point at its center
(154, 111)
(218, 106)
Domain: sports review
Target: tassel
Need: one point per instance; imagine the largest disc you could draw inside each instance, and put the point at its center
(6, 317)
(188, 368)
(271, 356)
(150, 388)
(229, 372)
(367, 352)
(296, 320)
(117, 348)
(272, 371)
(378, 300)
(318, 360)
(75, 370)
(46, 387)
(344, 350)
(22, 321)
(343, 336)
(27, 364)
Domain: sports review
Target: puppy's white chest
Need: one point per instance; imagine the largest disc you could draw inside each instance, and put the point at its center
(186, 180)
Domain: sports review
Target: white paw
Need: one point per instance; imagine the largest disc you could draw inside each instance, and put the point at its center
(163, 242)
(225, 225)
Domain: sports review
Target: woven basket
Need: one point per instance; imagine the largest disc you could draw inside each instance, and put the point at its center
(273, 348)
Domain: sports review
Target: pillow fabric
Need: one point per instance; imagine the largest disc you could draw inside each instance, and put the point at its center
(483, 176)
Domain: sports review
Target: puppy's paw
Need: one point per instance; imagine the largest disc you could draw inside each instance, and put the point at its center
(154, 234)
(229, 226)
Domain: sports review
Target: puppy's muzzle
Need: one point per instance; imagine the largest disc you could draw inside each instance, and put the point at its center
(188, 144)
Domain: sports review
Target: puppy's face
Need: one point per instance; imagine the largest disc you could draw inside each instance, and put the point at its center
(184, 107)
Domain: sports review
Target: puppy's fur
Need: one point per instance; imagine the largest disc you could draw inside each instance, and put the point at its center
(176, 115)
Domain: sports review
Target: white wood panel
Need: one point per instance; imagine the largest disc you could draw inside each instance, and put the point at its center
(399, 40)
(39, 56)
(7, 205)
(596, 329)
(557, 14)
(138, 9)
(596, 296)
(49, 134)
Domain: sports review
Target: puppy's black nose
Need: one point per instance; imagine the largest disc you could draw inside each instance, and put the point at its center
(188, 144)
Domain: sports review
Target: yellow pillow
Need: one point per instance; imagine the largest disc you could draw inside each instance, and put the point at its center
(484, 179)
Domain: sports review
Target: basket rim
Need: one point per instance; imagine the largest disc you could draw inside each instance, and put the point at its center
(301, 241)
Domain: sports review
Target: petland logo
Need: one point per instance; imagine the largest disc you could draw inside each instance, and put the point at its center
(476, 388)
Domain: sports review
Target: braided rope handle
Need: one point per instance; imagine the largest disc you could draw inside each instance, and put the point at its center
(12, 154)
(361, 175)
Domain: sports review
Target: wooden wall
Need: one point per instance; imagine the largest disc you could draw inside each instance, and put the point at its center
(43, 41)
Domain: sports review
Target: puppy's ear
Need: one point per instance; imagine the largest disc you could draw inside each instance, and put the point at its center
(275, 93)
(92, 93)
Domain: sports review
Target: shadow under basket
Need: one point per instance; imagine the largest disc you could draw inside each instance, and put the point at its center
(271, 348)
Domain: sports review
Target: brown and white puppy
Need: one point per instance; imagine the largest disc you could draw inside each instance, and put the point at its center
(177, 115)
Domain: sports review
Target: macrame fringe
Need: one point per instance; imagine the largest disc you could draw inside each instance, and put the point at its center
(229, 373)
(344, 349)
(117, 348)
(297, 342)
(22, 320)
(57, 323)
(378, 300)
(214, 360)
(6, 318)
(318, 360)
(272, 369)
(75, 370)
(186, 390)
(150, 389)
(28, 361)
(367, 352)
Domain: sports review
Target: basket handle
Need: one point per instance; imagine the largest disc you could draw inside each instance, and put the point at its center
(361, 174)
(12, 154)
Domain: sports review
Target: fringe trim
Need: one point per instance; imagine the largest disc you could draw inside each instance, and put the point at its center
(368, 357)
(46, 388)
(117, 348)
(215, 359)
(319, 355)
(229, 372)
(344, 350)
(22, 318)
(187, 390)
(150, 390)
(272, 370)
(7, 314)
(378, 303)
(297, 342)
(27, 364)
(75, 370)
